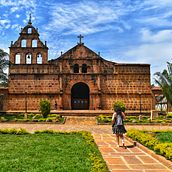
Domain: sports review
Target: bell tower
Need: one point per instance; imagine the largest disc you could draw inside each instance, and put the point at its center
(28, 49)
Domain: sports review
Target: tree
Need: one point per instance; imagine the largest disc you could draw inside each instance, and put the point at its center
(119, 104)
(3, 65)
(45, 108)
(164, 80)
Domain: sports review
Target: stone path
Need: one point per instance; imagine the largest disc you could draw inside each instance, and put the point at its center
(132, 159)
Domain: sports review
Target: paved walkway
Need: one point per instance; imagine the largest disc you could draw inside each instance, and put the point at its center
(132, 159)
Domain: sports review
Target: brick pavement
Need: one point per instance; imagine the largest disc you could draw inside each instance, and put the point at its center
(132, 159)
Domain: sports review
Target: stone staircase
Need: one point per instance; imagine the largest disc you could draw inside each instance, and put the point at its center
(82, 113)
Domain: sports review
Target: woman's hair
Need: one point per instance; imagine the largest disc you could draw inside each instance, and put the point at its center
(118, 110)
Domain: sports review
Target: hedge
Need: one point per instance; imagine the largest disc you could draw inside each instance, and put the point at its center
(151, 142)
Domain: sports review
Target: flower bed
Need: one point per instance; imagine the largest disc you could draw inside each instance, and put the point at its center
(103, 119)
(54, 118)
(153, 142)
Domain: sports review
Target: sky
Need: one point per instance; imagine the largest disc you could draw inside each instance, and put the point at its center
(123, 31)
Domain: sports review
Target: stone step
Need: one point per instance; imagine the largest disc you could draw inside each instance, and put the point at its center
(86, 113)
(80, 120)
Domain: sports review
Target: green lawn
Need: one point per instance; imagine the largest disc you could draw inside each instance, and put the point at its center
(164, 137)
(62, 152)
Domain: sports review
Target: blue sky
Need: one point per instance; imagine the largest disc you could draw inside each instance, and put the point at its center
(123, 31)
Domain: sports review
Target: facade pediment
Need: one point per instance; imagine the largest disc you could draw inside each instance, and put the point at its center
(79, 51)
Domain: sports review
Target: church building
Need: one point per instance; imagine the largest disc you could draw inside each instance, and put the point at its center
(79, 79)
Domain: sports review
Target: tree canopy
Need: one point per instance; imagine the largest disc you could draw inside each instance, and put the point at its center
(3, 66)
(164, 80)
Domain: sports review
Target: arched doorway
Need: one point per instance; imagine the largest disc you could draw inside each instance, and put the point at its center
(80, 96)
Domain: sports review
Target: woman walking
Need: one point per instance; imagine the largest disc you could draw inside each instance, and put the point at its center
(118, 127)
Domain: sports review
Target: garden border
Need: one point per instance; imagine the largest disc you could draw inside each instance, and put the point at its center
(159, 124)
(160, 158)
(30, 122)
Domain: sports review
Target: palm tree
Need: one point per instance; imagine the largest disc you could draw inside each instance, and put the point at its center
(3, 65)
(164, 80)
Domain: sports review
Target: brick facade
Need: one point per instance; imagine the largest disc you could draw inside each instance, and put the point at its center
(78, 79)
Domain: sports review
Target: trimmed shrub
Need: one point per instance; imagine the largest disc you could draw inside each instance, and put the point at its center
(54, 115)
(37, 116)
(169, 115)
(22, 120)
(14, 131)
(41, 120)
(164, 149)
(104, 119)
(30, 115)
(45, 108)
(144, 138)
(87, 136)
(119, 104)
(46, 131)
(49, 120)
(98, 164)
(3, 119)
(151, 142)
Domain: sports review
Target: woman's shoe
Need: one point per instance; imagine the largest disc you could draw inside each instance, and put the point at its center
(123, 145)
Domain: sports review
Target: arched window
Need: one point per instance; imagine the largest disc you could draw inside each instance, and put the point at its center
(34, 43)
(23, 43)
(76, 68)
(17, 58)
(29, 30)
(29, 58)
(39, 58)
(84, 68)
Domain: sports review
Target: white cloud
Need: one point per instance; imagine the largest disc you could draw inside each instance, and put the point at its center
(84, 17)
(17, 7)
(16, 27)
(155, 54)
(160, 36)
(155, 13)
(4, 47)
(7, 26)
(14, 9)
(154, 21)
(87, 17)
(18, 3)
(4, 22)
(158, 3)
(155, 49)
(17, 16)
(151, 53)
